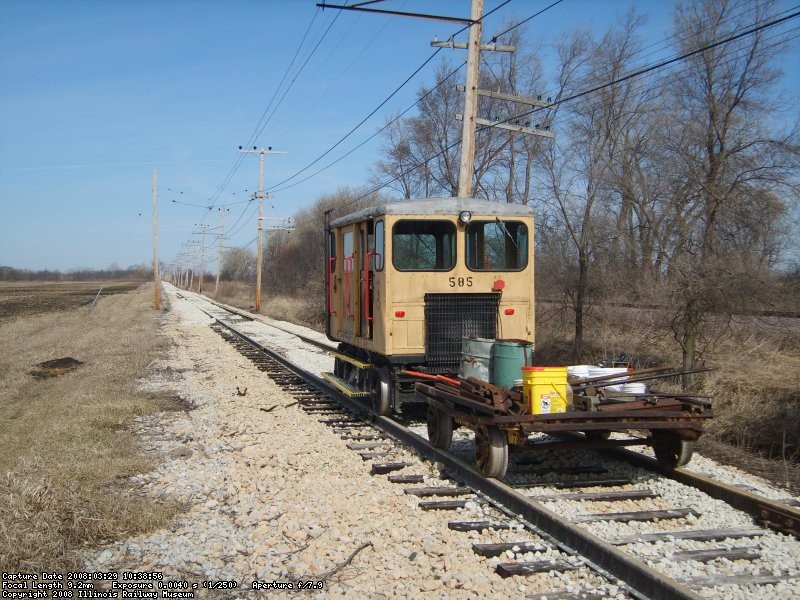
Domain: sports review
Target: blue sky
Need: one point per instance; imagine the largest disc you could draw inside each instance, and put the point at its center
(95, 94)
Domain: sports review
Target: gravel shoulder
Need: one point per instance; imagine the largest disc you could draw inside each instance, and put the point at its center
(276, 496)
(273, 496)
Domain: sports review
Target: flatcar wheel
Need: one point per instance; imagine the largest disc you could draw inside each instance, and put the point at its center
(440, 428)
(491, 451)
(671, 451)
(382, 394)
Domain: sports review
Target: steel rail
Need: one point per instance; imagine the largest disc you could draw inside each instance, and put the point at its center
(606, 558)
(643, 581)
(259, 318)
(771, 513)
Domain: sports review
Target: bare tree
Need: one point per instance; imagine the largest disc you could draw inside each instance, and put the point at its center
(238, 264)
(733, 165)
(405, 165)
(421, 153)
(678, 182)
(505, 160)
(581, 166)
(436, 132)
(295, 260)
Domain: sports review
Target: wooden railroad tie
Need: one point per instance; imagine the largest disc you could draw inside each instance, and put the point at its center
(476, 525)
(699, 535)
(491, 550)
(383, 468)
(438, 491)
(598, 496)
(529, 568)
(372, 455)
(442, 504)
(709, 554)
(407, 478)
(641, 515)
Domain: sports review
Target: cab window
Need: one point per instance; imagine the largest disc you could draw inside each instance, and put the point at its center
(423, 245)
(497, 245)
(348, 244)
(376, 260)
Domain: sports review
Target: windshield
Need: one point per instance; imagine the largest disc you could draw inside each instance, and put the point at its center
(424, 245)
(497, 245)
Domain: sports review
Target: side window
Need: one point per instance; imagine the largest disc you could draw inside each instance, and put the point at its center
(349, 268)
(497, 245)
(377, 259)
(348, 244)
(424, 245)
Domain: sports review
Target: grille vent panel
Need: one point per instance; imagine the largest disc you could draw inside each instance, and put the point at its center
(451, 317)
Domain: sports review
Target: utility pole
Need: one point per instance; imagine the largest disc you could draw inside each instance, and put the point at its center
(222, 212)
(473, 66)
(516, 127)
(470, 101)
(155, 239)
(260, 252)
(203, 231)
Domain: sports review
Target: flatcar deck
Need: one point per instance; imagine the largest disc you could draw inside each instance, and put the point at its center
(496, 415)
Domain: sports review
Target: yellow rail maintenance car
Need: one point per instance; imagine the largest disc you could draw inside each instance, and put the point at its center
(407, 281)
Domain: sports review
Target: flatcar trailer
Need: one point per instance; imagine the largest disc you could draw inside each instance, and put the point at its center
(497, 417)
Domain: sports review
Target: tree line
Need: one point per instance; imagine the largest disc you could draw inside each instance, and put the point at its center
(133, 273)
(673, 185)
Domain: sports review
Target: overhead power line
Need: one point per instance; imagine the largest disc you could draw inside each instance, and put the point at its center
(259, 126)
(725, 60)
(291, 83)
(661, 64)
(374, 135)
(639, 72)
(521, 23)
(254, 136)
(360, 123)
(380, 105)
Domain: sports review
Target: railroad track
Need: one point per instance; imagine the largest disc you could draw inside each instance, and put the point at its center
(560, 510)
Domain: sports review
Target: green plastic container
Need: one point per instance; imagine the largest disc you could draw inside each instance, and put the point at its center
(508, 358)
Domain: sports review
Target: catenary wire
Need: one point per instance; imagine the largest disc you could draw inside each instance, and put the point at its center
(659, 65)
(780, 38)
(377, 133)
(255, 134)
(533, 16)
(240, 158)
(382, 103)
(637, 73)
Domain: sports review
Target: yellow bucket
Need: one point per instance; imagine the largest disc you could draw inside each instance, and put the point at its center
(546, 389)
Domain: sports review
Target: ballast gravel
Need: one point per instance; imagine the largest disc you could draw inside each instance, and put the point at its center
(274, 497)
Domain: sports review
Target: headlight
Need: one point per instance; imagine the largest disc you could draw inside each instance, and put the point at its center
(465, 216)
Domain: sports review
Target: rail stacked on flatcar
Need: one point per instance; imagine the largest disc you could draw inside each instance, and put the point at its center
(407, 281)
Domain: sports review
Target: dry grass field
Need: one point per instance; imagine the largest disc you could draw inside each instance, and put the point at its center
(295, 310)
(67, 449)
(755, 382)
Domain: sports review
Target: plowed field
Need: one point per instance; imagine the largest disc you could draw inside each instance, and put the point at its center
(19, 299)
